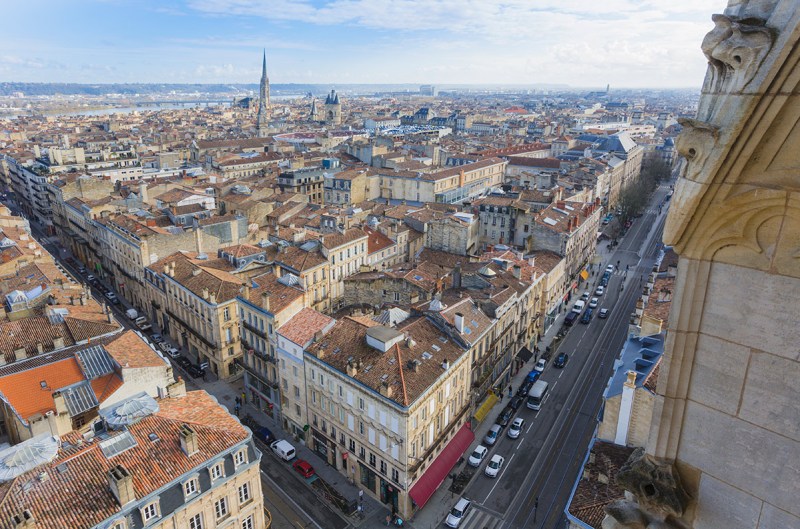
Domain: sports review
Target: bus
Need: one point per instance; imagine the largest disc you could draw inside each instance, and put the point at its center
(536, 395)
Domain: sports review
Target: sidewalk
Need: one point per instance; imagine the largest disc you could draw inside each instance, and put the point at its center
(226, 393)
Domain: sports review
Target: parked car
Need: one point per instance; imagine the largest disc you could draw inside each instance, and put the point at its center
(81, 270)
(183, 362)
(593, 303)
(516, 428)
(303, 468)
(525, 387)
(610, 269)
(164, 346)
(540, 365)
(603, 314)
(173, 352)
(156, 337)
(91, 279)
(587, 316)
(494, 466)
(142, 323)
(264, 434)
(516, 402)
(561, 360)
(585, 295)
(132, 314)
(505, 416)
(195, 371)
(476, 458)
(112, 297)
(491, 435)
(458, 513)
(604, 282)
(600, 290)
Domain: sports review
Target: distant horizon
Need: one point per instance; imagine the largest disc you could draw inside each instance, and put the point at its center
(631, 43)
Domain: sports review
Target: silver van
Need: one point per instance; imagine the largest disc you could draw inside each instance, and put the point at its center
(537, 394)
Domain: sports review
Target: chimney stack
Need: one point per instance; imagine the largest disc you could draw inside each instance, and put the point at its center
(212, 298)
(386, 390)
(459, 323)
(121, 483)
(23, 520)
(352, 370)
(205, 294)
(265, 301)
(188, 438)
(517, 271)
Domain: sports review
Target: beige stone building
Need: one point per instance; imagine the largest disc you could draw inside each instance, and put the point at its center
(346, 252)
(726, 417)
(392, 404)
(182, 461)
(194, 299)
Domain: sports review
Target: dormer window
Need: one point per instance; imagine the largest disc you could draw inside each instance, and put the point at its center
(216, 472)
(240, 457)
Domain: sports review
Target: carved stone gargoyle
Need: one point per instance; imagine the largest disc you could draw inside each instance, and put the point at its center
(660, 497)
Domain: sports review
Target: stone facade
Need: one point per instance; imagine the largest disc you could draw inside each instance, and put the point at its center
(727, 413)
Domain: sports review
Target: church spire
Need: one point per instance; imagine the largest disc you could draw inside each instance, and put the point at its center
(262, 121)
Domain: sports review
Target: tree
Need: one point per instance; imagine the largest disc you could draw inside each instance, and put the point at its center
(655, 170)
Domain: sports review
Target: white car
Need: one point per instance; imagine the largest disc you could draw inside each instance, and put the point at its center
(458, 513)
(540, 365)
(600, 290)
(593, 303)
(516, 428)
(477, 456)
(585, 295)
(491, 436)
(494, 466)
(610, 269)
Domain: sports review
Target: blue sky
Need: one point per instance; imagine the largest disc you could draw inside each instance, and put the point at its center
(628, 43)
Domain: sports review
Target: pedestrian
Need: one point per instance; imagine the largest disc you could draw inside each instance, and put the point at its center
(244, 398)
(510, 392)
(388, 520)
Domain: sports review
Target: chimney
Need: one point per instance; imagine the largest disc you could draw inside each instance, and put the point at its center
(20, 354)
(121, 483)
(188, 439)
(110, 316)
(143, 192)
(459, 323)
(445, 364)
(212, 298)
(410, 343)
(198, 240)
(265, 301)
(72, 300)
(83, 298)
(625, 409)
(150, 222)
(59, 403)
(517, 271)
(40, 348)
(386, 389)
(166, 269)
(177, 389)
(196, 272)
(246, 290)
(560, 204)
(205, 294)
(23, 520)
(352, 370)
(457, 275)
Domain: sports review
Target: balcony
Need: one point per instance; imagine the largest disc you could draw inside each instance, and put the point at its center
(255, 330)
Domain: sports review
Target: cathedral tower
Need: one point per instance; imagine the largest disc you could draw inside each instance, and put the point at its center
(333, 109)
(262, 122)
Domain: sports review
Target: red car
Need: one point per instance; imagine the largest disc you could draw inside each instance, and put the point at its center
(305, 469)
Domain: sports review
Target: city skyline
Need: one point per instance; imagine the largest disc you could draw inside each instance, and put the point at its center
(622, 42)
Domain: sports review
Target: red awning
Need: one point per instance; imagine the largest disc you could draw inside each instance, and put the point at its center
(425, 486)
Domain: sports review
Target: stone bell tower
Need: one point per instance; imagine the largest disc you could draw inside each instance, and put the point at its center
(333, 109)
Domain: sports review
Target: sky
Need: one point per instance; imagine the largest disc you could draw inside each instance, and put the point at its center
(581, 43)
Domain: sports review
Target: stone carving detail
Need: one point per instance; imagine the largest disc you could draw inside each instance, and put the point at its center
(695, 143)
(660, 500)
(735, 49)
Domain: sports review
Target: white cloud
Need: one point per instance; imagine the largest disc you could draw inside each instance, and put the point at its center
(636, 43)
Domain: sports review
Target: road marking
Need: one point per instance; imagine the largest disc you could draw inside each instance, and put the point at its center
(506, 464)
(559, 376)
(275, 486)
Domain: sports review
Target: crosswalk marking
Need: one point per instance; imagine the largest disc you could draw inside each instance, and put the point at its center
(478, 519)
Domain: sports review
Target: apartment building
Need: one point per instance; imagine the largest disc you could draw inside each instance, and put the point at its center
(307, 268)
(178, 461)
(346, 252)
(350, 187)
(569, 229)
(195, 301)
(293, 338)
(266, 303)
(456, 233)
(388, 406)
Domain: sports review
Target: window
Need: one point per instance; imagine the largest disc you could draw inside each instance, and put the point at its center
(150, 511)
(244, 493)
(352, 445)
(383, 467)
(216, 472)
(361, 427)
(240, 458)
(360, 403)
(221, 508)
(196, 521)
(395, 475)
(372, 459)
(119, 525)
(190, 487)
(226, 314)
(247, 523)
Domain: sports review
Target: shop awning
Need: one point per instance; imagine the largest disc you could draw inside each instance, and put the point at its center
(425, 486)
(483, 409)
(525, 354)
